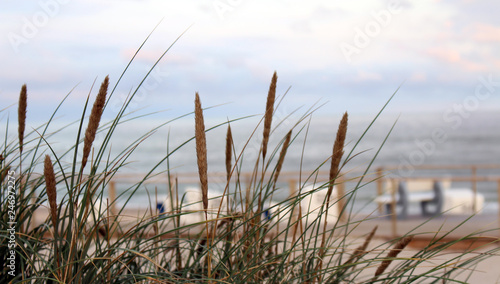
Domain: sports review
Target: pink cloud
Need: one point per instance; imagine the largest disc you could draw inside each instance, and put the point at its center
(363, 76)
(152, 56)
(484, 33)
(368, 76)
(418, 77)
(455, 59)
(474, 66)
(444, 54)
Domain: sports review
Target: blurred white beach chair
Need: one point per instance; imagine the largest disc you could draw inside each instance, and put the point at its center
(429, 193)
(461, 201)
(97, 208)
(311, 203)
(312, 200)
(96, 214)
(192, 206)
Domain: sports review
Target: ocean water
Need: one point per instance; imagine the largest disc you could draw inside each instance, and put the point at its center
(416, 139)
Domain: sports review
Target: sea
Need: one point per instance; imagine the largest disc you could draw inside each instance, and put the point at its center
(402, 141)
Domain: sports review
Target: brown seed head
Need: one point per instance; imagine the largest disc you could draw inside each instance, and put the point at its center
(368, 239)
(268, 116)
(400, 245)
(21, 115)
(50, 183)
(4, 172)
(229, 151)
(338, 151)
(282, 155)
(201, 150)
(362, 248)
(95, 118)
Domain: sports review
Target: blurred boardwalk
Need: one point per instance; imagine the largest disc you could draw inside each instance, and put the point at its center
(482, 229)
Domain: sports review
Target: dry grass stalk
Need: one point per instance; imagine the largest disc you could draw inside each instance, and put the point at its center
(338, 152)
(177, 211)
(201, 150)
(282, 155)
(4, 173)
(95, 118)
(401, 244)
(50, 182)
(362, 248)
(229, 152)
(229, 156)
(268, 116)
(201, 154)
(21, 119)
(21, 115)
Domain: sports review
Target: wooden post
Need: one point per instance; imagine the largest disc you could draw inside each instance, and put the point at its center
(394, 216)
(170, 202)
(474, 189)
(341, 198)
(380, 191)
(498, 196)
(112, 197)
(293, 192)
(294, 215)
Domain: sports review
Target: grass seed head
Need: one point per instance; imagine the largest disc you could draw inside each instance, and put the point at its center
(21, 115)
(201, 150)
(400, 245)
(268, 116)
(95, 118)
(338, 152)
(50, 182)
(229, 145)
(282, 155)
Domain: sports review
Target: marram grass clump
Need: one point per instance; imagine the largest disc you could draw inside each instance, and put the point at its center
(71, 234)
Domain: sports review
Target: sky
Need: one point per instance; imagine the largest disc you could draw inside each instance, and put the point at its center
(344, 55)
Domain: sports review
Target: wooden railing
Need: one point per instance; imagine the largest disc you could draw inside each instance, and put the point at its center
(293, 179)
(379, 176)
(383, 175)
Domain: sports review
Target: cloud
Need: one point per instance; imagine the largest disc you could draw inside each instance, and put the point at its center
(484, 33)
(152, 55)
(418, 77)
(434, 45)
(444, 54)
(364, 76)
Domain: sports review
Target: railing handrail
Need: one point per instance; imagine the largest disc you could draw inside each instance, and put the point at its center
(323, 175)
(444, 167)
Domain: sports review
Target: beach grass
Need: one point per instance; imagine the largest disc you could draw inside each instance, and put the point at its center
(83, 240)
